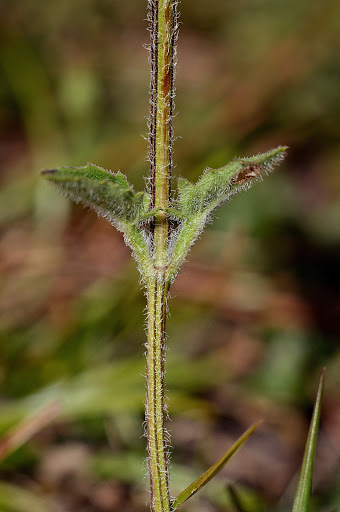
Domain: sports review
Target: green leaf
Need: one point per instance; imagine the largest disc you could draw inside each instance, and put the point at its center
(304, 487)
(215, 469)
(217, 185)
(109, 194)
(196, 202)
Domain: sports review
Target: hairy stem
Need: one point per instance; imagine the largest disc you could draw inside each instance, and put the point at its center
(155, 407)
(163, 35)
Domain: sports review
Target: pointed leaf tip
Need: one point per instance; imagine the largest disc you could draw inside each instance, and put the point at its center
(303, 492)
(253, 168)
(215, 468)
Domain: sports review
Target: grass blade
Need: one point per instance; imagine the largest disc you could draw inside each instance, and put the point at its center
(304, 487)
(214, 469)
(21, 433)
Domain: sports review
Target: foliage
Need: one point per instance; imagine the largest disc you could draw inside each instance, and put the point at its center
(262, 317)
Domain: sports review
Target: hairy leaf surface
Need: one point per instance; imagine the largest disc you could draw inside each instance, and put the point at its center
(216, 185)
(196, 202)
(109, 194)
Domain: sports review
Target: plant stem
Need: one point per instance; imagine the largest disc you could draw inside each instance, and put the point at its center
(155, 407)
(163, 35)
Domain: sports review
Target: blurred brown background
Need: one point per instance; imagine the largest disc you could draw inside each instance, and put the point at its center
(255, 312)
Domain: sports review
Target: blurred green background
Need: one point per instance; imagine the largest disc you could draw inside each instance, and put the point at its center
(255, 312)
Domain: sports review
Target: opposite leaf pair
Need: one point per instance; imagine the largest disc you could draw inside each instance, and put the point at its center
(111, 196)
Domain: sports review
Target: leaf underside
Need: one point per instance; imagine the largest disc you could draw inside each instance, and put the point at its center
(303, 492)
(214, 469)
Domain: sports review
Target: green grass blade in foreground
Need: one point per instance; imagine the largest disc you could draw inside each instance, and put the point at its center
(303, 491)
(214, 469)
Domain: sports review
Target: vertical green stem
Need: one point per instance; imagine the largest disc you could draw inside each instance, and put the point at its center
(155, 407)
(163, 36)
